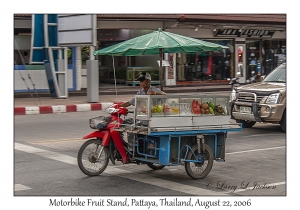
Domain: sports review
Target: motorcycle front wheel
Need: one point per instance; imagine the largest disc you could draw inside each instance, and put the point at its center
(92, 158)
(199, 170)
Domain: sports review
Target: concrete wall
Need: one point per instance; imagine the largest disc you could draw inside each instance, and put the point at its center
(38, 78)
(83, 78)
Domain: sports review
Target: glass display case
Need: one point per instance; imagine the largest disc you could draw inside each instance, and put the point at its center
(177, 105)
(182, 110)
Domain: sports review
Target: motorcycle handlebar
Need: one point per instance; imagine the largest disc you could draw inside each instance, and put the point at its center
(130, 111)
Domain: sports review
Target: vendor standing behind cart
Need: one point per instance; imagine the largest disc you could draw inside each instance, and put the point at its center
(146, 89)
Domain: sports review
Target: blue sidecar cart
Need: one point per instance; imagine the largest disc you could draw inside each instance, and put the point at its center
(172, 130)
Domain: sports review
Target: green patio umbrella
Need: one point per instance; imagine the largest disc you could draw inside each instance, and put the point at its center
(159, 42)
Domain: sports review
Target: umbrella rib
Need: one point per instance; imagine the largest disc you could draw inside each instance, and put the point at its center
(177, 42)
(175, 38)
(143, 38)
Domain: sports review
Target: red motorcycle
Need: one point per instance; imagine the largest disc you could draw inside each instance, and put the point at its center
(107, 143)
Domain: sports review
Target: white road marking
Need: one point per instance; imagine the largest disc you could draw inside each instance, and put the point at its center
(254, 150)
(19, 187)
(121, 173)
(251, 188)
(56, 141)
(255, 135)
(263, 134)
(45, 153)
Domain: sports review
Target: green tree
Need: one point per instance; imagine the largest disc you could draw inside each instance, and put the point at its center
(85, 52)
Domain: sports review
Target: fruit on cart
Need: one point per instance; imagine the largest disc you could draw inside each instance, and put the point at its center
(206, 111)
(160, 108)
(196, 107)
(166, 108)
(198, 110)
(202, 111)
(144, 110)
(157, 109)
(204, 106)
(219, 110)
(211, 104)
(193, 105)
(154, 109)
(175, 110)
(211, 111)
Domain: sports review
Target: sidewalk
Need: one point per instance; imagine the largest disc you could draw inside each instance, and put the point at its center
(42, 103)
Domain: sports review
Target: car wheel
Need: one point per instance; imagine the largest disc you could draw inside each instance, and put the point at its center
(283, 122)
(246, 124)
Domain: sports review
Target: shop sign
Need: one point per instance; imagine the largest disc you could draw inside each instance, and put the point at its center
(164, 63)
(244, 33)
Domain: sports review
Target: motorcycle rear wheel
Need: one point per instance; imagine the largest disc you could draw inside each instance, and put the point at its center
(88, 160)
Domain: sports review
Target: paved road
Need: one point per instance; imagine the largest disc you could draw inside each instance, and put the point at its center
(46, 147)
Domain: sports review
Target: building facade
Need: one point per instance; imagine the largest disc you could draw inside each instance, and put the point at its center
(255, 43)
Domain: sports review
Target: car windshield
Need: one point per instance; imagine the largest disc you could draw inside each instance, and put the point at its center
(277, 75)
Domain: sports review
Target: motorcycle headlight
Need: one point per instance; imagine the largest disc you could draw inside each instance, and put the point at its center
(111, 110)
(273, 98)
(232, 95)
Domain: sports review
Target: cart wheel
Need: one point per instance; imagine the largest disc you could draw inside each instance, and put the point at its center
(155, 166)
(199, 170)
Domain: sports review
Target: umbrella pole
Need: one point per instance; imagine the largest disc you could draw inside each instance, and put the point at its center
(160, 70)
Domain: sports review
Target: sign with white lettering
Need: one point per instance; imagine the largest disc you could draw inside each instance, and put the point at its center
(244, 33)
(164, 63)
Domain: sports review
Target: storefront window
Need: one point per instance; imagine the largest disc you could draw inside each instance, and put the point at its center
(253, 63)
(239, 59)
(215, 65)
(273, 53)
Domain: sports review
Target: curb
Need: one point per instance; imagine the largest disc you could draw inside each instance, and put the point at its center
(60, 108)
